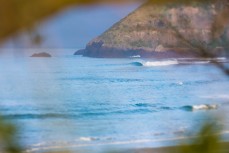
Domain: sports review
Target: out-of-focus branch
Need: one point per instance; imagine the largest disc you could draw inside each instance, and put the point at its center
(201, 51)
(8, 141)
(218, 27)
(16, 15)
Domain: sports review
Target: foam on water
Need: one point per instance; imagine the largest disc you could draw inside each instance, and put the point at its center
(160, 63)
(196, 61)
(200, 107)
(156, 63)
(135, 56)
(202, 60)
(88, 138)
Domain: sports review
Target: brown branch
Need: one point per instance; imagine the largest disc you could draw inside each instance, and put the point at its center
(199, 49)
(17, 15)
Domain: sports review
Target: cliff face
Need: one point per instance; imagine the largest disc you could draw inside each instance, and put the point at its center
(160, 30)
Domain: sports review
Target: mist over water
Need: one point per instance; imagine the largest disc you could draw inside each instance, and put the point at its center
(74, 101)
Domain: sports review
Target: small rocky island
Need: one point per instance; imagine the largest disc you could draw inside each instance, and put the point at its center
(42, 54)
(165, 30)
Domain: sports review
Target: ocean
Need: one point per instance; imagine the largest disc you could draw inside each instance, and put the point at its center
(90, 104)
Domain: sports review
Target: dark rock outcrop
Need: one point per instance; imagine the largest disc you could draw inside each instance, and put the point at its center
(161, 30)
(43, 54)
(79, 52)
(119, 52)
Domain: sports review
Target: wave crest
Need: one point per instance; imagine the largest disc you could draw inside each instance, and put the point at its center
(160, 63)
(156, 63)
(137, 64)
(200, 107)
(182, 61)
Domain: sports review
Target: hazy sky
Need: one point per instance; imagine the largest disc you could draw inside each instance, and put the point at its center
(75, 27)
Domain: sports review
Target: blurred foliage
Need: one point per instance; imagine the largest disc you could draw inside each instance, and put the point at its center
(8, 140)
(17, 15)
(207, 141)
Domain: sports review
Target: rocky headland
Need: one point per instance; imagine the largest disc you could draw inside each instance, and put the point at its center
(163, 30)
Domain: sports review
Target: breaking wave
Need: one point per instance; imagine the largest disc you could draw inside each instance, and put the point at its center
(137, 64)
(200, 107)
(182, 61)
(161, 63)
(156, 63)
(89, 138)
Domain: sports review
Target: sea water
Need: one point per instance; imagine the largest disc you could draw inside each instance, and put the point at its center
(79, 103)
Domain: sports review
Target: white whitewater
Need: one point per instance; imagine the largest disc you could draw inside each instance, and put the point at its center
(160, 63)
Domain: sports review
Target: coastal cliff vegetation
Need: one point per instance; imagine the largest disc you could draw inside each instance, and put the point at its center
(166, 29)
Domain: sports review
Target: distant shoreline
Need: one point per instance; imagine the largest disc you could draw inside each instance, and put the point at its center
(104, 52)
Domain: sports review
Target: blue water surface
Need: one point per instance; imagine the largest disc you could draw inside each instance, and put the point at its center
(82, 103)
